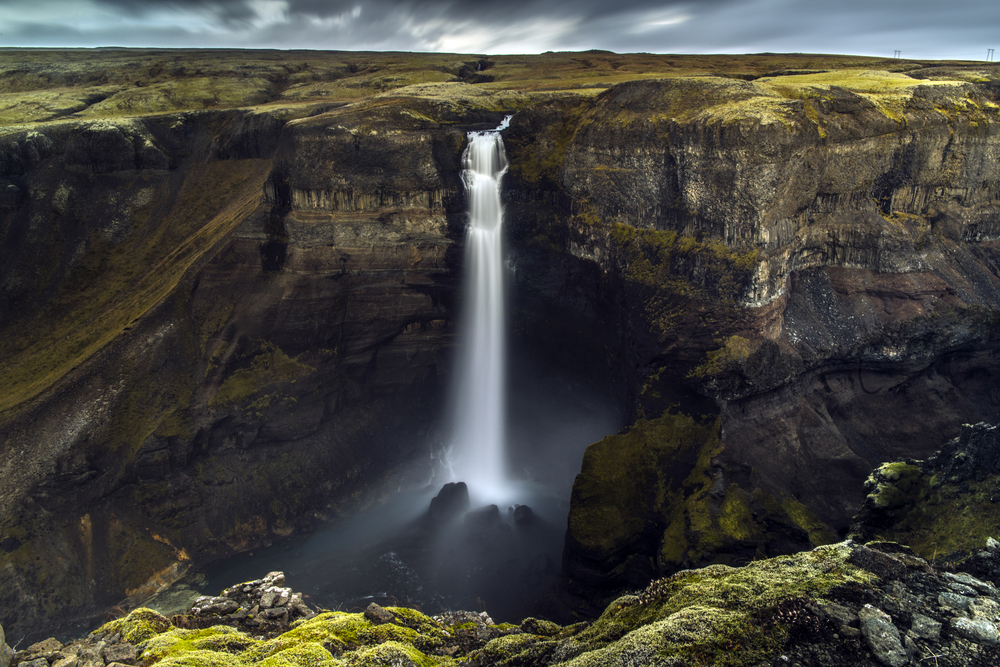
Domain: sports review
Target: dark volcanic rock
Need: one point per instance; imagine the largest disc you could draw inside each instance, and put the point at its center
(973, 456)
(451, 502)
(522, 515)
(6, 653)
(483, 517)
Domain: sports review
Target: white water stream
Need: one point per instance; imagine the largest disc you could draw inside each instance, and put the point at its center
(477, 453)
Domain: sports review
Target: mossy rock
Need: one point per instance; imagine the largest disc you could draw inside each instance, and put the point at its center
(216, 639)
(309, 654)
(712, 615)
(202, 658)
(138, 626)
(392, 653)
(519, 649)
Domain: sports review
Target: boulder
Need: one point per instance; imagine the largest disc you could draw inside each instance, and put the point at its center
(483, 517)
(882, 636)
(6, 652)
(451, 501)
(523, 515)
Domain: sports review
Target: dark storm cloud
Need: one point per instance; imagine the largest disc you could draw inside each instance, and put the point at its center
(917, 27)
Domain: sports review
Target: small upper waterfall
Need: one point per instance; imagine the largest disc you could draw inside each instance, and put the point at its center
(478, 437)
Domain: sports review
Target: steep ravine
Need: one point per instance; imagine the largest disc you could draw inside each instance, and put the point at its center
(248, 316)
(293, 370)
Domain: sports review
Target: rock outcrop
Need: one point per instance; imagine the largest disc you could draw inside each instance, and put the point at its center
(840, 605)
(945, 506)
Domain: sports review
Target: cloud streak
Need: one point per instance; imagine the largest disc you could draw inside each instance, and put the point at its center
(919, 28)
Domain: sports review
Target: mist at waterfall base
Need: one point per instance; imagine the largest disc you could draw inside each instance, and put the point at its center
(519, 428)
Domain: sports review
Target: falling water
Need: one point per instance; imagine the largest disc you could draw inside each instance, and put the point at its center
(477, 450)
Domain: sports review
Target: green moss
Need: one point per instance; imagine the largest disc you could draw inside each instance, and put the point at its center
(898, 486)
(509, 649)
(736, 519)
(333, 628)
(819, 533)
(937, 518)
(308, 654)
(138, 626)
(417, 621)
(621, 474)
(735, 350)
(216, 639)
(349, 631)
(269, 366)
(199, 658)
(713, 615)
(542, 627)
(393, 653)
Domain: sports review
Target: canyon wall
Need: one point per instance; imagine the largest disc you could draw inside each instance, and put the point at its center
(823, 268)
(246, 321)
(221, 326)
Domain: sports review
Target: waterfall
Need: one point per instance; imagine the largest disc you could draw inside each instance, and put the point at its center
(478, 435)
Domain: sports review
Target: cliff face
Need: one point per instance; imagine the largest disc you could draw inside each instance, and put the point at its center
(823, 265)
(253, 315)
(220, 325)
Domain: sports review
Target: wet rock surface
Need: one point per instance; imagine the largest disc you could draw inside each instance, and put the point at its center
(451, 502)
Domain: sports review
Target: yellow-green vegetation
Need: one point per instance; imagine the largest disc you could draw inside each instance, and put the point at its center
(115, 284)
(42, 85)
(714, 615)
(625, 478)
(717, 615)
(315, 641)
(734, 350)
(898, 486)
(934, 516)
(660, 473)
(661, 261)
(268, 366)
(888, 91)
(140, 625)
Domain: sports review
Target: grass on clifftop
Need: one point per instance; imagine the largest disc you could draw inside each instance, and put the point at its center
(40, 85)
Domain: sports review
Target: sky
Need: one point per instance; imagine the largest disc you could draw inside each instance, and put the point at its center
(919, 29)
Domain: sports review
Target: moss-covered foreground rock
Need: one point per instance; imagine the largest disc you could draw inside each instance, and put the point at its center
(653, 500)
(842, 604)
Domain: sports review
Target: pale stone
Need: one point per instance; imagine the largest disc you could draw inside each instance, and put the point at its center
(882, 637)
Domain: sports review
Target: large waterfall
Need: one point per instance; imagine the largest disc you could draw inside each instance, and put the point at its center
(478, 437)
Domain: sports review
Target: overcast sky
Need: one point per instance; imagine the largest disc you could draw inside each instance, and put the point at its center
(959, 29)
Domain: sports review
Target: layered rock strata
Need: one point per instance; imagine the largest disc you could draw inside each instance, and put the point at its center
(246, 334)
(219, 326)
(820, 265)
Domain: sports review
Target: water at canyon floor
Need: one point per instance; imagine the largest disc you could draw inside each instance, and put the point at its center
(392, 553)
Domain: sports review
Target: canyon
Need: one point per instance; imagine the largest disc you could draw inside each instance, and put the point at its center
(229, 285)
